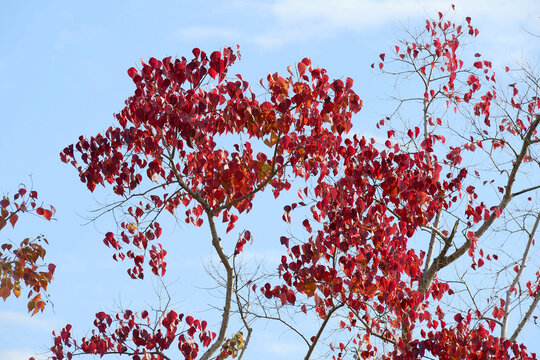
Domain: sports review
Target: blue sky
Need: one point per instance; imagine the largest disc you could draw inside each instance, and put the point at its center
(63, 73)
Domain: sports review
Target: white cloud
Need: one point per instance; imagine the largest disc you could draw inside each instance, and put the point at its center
(73, 37)
(343, 14)
(7, 85)
(11, 319)
(282, 348)
(202, 32)
(300, 20)
(354, 14)
(270, 257)
(282, 22)
(66, 14)
(17, 354)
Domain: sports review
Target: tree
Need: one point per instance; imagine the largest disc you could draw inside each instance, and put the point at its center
(193, 139)
(23, 265)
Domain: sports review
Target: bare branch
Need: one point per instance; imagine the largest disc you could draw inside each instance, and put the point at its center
(434, 232)
(525, 318)
(517, 277)
(525, 190)
(442, 260)
(321, 329)
(242, 314)
(216, 243)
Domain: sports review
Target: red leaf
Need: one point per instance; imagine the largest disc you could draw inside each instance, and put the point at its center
(154, 62)
(287, 217)
(301, 68)
(91, 185)
(4, 292)
(498, 313)
(132, 72)
(291, 298)
(348, 83)
(382, 56)
(47, 214)
(480, 262)
(13, 219)
(307, 225)
(230, 227)
(283, 298)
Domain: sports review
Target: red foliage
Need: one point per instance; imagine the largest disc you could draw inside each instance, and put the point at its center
(136, 335)
(367, 202)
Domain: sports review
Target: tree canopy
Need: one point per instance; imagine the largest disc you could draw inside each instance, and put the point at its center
(394, 233)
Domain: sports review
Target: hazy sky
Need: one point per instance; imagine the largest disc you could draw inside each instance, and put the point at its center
(63, 73)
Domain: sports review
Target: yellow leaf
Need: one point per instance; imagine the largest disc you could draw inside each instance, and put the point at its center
(273, 138)
(310, 287)
(265, 171)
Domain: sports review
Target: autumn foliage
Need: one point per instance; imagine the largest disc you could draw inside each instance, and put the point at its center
(194, 141)
(23, 265)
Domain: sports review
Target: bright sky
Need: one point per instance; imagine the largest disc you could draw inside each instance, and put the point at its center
(63, 73)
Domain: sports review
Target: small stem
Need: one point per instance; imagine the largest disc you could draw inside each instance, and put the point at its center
(525, 318)
(242, 314)
(321, 329)
(504, 325)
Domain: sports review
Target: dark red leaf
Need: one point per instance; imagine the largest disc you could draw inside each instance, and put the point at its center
(13, 219)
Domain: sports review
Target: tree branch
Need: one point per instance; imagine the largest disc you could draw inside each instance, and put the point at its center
(242, 314)
(261, 186)
(442, 260)
(504, 325)
(525, 190)
(526, 317)
(434, 232)
(321, 329)
(216, 243)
